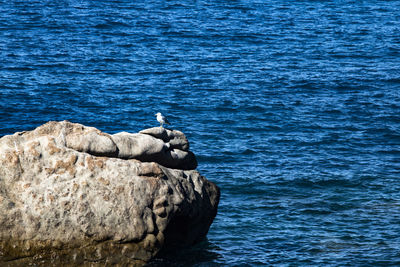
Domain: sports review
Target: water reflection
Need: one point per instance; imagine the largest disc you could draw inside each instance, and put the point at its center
(201, 254)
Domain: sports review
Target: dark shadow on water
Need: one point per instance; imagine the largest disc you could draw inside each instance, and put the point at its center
(202, 254)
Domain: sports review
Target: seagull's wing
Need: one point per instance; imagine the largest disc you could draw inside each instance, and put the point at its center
(166, 121)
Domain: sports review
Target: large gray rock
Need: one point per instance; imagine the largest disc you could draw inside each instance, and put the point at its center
(71, 194)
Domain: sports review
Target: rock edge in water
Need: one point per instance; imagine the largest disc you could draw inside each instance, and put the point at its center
(73, 195)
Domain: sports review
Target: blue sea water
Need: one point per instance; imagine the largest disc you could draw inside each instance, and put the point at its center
(292, 108)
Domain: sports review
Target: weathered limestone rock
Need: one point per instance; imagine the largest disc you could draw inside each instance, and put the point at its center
(71, 194)
(175, 138)
(147, 148)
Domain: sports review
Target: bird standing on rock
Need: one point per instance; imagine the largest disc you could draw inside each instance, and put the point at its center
(161, 119)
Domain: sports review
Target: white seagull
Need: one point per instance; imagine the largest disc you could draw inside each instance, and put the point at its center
(161, 119)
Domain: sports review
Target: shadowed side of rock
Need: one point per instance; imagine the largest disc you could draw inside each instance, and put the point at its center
(193, 216)
(71, 194)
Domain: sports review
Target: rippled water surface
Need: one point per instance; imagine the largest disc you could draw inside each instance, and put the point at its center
(292, 107)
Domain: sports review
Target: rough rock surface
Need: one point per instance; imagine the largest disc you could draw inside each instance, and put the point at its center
(175, 138)
(73, 195)
(170, 152)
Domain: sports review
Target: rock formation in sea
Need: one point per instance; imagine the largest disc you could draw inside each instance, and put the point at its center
(73, 195)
